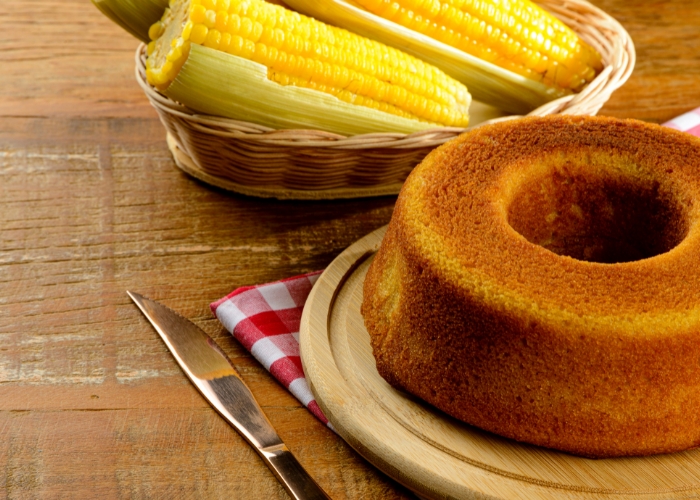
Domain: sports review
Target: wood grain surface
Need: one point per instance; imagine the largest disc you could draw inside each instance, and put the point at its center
(91, 204)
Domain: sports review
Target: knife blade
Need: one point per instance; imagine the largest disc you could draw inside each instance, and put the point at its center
(213, 374)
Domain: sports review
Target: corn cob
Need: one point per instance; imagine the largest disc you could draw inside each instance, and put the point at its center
(516, 35)
(301, 52)
(493, 39)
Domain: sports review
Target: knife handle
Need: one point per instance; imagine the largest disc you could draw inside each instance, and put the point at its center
(298, 483)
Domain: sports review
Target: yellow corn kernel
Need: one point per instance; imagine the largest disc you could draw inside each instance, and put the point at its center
(155, 30)
(213, 39)
(516, 35)
(301, 51)
(210, 19)
(225, 44)
(199, 34)
(175, 54)
(198, 14)
(221, 20)
(187, 31)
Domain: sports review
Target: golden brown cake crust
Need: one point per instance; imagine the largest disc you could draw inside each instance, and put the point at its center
(540, 279)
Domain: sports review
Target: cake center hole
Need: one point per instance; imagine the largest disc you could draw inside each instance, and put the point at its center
(597, 219)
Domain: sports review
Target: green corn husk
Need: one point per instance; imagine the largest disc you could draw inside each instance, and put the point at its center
(135, 16)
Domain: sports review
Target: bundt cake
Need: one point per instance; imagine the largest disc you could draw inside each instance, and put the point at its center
(540, 279)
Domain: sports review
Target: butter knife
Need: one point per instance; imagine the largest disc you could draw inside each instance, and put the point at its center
(210, 370)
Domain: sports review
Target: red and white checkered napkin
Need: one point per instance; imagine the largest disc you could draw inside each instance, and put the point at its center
(265, 320)
(688, 122)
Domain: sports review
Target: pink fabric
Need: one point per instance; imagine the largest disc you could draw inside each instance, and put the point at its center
(265, 318)
(687, 122)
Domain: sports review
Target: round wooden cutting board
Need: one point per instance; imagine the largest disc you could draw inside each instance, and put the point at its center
(432, 453)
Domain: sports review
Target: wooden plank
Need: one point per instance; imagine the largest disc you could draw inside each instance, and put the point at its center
(164, 453)
(88, 211)
(64, 58)
(665, 80)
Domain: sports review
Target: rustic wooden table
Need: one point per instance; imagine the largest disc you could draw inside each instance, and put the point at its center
(91, 204)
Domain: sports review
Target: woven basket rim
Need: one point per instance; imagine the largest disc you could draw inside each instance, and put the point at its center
(593, 24)
(255, 160)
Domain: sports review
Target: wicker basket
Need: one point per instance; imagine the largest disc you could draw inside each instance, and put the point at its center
(308, 164)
